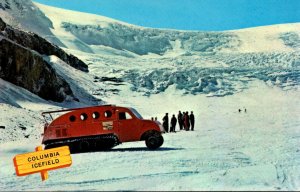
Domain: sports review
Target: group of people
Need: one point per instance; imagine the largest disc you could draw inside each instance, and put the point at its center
(245, 110)
(185, 121)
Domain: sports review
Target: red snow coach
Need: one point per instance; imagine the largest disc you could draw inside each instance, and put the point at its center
(99, 128)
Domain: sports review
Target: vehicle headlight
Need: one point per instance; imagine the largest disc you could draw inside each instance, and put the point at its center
(160, 126)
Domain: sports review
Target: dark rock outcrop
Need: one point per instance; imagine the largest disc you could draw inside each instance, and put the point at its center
(23, 63)
(2, 25)
(26, 68)
(40, 45)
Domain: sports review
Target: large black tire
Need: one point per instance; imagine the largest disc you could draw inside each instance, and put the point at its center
(154, 141)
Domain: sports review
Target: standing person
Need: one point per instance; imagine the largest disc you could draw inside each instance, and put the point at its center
(192, 120)
(166, 122)
(187, 121)
(173, 123)
(180, 120)
(183, 120)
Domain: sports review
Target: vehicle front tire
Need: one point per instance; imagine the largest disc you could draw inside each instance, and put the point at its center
(154, 141)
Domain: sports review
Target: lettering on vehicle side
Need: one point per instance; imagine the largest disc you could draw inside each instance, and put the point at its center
(107, 125)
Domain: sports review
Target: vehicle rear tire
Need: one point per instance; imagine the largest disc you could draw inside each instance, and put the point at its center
(154, 141)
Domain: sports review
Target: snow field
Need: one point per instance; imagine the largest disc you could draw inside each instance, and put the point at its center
(257, 150)
(212, 74)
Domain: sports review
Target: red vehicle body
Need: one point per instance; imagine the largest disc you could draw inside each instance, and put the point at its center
(99, 128)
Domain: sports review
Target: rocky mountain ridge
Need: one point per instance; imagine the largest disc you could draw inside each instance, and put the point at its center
(22, 63)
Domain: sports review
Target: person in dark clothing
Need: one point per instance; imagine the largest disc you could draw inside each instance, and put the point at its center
(186, 121)
(180, 120)
(183, 115)
(173, 123)
(166, 122)
(192, 120)
(183, 120)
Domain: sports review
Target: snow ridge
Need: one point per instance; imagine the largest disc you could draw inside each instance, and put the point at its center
(145, 41)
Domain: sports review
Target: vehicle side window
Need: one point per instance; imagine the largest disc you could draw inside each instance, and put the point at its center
(83, 116)
(107, 114)
(95, 115)
(72, 118)
(124, 116)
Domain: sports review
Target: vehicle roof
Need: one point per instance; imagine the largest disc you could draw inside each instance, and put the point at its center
(82, 108)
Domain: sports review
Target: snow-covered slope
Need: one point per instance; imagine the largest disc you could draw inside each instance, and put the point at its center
(158, 71)
(257, 150)
(212, 63)
(81, 30)
(125, 59)
(270, 38)
(25, 15)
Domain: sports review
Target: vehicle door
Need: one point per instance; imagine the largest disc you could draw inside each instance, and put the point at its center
(128, 126)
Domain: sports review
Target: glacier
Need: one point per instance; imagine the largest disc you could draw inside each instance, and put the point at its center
(157, 71)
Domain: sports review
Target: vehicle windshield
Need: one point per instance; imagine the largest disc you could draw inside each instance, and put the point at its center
(136, 113)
